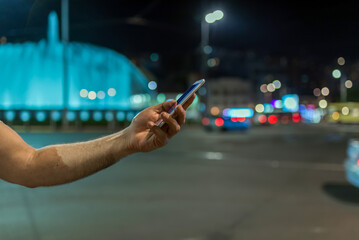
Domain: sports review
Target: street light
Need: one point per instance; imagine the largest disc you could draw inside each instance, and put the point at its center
(214, 16)
(206, 21)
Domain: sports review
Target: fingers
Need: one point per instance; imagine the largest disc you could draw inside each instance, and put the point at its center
(165, 106)
(173, 126)
(180, 115)
(189, 102)
(162, 138)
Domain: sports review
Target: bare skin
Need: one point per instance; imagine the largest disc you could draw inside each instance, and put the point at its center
(58, 164)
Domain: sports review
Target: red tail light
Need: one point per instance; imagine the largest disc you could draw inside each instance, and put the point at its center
(219, 122)
(262, 118)
(272, 119)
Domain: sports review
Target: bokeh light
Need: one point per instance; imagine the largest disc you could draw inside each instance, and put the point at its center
(341, 61)
(214, 111)
(325, 91)
(345, 111)
(10, 115)
(97, 116)
(335, 116)
(92, 95)
(263, 88)
(218, 14)
(355, 112)
(205, 121)
(120, 116)
(212, 62)
(83, 93)
(101, 94)
(161, 98)
(290, 103)
(277, 103)
(277, 84)
(348, 84)
(111, 92)
(272, 119)
(323, 103)
(316, 92)
(268, 108)
(296, 117)
(214, 16)
(207, 49)
(202, 91)
(210, 18)
(25, 116)
(40, 116)
(55, 115)
(71, 116)
(336, 73)
(84, 116)
(219, 122)
(152, 85)
(259, 108)
(262, 118)
(270, 87)
(154, 57)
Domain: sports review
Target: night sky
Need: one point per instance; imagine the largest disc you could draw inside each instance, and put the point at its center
(325, 28)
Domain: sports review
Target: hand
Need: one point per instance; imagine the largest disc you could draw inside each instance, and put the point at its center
(145, 136)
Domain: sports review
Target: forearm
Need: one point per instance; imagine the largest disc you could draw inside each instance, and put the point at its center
(58, 164)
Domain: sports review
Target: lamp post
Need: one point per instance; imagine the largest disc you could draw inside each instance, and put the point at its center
(206, 21)
(65, 40)
(343, 90)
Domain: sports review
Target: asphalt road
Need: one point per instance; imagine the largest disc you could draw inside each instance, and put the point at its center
(284, 182)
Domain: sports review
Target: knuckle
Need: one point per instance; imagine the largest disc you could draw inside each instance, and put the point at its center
(164, 115)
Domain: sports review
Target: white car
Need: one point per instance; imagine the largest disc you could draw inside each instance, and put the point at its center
(352, 162)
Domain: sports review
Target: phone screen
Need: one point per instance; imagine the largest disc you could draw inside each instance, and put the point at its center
(183, 98)
(179, 101)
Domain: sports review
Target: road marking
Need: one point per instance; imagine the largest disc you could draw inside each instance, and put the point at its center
(336, 167)
(214, 155)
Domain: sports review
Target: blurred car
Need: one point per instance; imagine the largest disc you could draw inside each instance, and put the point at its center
(352, 162)
(226, 123)
(266, 119)
(227, 105)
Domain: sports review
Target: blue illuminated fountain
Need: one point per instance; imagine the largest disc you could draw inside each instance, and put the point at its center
(31, 75)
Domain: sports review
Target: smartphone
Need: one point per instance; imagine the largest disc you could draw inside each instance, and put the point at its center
(185, 96)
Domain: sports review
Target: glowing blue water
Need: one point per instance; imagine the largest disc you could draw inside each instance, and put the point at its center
(31, 75)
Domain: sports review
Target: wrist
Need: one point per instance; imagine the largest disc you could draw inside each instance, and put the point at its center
(121, 143)
(127, 136)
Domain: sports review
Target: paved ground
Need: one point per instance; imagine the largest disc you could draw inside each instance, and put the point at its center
(277, 183)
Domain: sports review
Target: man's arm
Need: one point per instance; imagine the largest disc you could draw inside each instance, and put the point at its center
(58, 164)
(63, 163)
